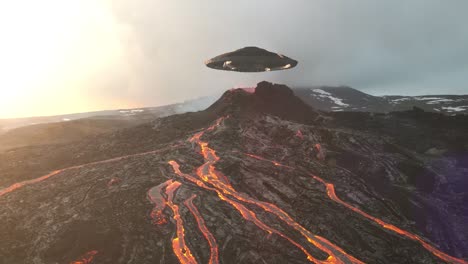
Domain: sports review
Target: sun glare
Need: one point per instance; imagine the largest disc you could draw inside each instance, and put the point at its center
(49, 50)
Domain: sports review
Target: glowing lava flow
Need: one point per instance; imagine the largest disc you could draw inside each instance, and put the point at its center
(155, 196)
(206, 233)
(19, 185)
(86, 258)
(332, 195)
(208, 170)
(272, 161)
(247, 214)
(208, 173)
(179, 246)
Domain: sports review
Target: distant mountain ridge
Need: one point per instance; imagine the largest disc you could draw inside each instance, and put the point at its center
(131, 114)
(257, 177)
(343, 98)
(324, 98)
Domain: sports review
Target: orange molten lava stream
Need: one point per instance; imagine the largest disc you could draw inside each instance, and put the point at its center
(208, 174)
(206, 233)
(247, 214)
(332, 195)
(86, 258)
(250, 216)
(155, 195)
(272, 161)
(19, 185)
(181, 250)
(28, 182)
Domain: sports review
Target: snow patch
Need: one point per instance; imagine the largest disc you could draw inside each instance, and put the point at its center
(439, 101)
(323, 94)
(395, 101)
(455, 109)
(431, 100)
(427, 98)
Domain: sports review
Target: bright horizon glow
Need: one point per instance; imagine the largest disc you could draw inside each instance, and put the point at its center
(75, 56)
(51, 52)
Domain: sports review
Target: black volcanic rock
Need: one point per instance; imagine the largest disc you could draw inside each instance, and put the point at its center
(268, 98)
(264, 144)
(274, 91)
(344, 98)
(279, 100)
(330, 99)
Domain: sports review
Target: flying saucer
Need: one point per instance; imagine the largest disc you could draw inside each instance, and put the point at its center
(251, 59)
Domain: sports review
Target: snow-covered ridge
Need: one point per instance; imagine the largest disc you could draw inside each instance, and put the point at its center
(431, 100)
(455, 109)
(399, 100)
(435, 101)
(426, 98)
(440, 101)
(323, 94)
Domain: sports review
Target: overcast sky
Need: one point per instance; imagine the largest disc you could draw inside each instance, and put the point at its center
(132, 53)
